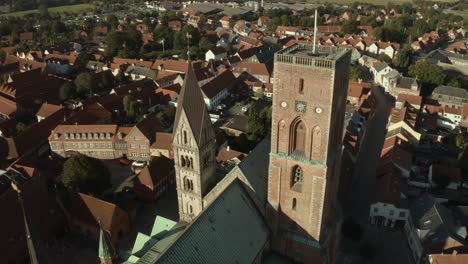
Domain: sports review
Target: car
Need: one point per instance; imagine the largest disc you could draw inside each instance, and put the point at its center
(139, 163)
(124, 162)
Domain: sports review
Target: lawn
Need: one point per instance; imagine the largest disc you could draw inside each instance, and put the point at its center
(58, 9)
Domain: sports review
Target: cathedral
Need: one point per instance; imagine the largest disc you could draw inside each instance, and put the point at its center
(281, 200)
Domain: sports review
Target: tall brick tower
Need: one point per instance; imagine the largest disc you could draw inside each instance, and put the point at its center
(194, 149)
(309, 98)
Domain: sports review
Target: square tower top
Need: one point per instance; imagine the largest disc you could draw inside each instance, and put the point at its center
(302, 54)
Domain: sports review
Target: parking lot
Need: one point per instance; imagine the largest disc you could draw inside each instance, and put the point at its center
(119, 173)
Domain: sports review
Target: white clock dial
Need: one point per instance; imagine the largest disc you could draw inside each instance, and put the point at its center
(318, 110)
(284, 104)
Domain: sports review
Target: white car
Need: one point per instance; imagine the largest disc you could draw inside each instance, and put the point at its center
(139, 164)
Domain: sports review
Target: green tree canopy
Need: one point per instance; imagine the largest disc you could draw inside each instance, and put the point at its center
(85, 174)
(403, 58)
(356, 73)
(67, 91)
(385, 58)
(85, 83)
(350, 27)
(427, 73)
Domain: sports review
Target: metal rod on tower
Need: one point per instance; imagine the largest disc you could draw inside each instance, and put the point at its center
(315, 31)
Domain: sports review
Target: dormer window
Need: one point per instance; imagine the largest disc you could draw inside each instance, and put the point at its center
(101, 136)
(96, 135)
(83, 135)
(67, 135)
(72, 135)
(108, 135)
(56, 135)
(78, 135)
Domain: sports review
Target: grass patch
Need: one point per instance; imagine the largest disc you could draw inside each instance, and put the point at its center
(58, 9)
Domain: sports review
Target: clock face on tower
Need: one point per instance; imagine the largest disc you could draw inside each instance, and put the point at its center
(301, 106)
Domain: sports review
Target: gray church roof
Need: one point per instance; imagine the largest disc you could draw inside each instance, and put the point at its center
(230, 230)
(192, 103)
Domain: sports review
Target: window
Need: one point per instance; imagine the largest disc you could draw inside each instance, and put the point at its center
(297, 178)
(294, 203)
(182, 161)
(299, 137)
(392, 212)
(376, 210)
(134, 154)
(133, 146)
(402, 214)
(143, 155)
(143, 147)
(301, 86)
(190, 209)
(185, 137)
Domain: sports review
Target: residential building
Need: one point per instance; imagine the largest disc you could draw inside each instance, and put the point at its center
(215, 91)
(154, 179)
(450, 96)
(216, 53)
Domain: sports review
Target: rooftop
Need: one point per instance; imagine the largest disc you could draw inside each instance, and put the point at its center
(301, 53)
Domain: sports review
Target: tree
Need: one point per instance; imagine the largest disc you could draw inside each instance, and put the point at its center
(403, 58)
(259, 122)
(20, 127)
(427, 73)
(349, 27)
(385, 58)
(356, 73)
(85, 174)
(85, 83)
(205, 44)
(67, 91)
(454, 82)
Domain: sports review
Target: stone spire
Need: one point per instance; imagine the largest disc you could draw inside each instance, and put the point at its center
(106, 248)
(192, 103)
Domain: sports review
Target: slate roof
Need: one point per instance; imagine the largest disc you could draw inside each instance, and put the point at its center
(380, 66)
(434, 221)
(231, 229)
(406, 82)
(192, 104)
(219, 83)
(451, 91)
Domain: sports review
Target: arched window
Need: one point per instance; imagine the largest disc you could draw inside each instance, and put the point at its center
(299, 137)
(185, 183)
(185, 137)
(191, 162)
(294, 202)
(301, 86)
(297, 178)
(316, 144)
(182, 160)
(187, 160)
(190, 209)
(190, 185)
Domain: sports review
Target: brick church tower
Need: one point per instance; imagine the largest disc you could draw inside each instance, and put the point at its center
(194, 149)
(309, 99)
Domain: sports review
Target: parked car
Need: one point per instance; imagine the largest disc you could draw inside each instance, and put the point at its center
(124, 162)
(139, 164)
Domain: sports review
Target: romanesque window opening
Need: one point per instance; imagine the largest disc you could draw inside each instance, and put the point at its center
(294, 203)
(185, 137)
(297, 177)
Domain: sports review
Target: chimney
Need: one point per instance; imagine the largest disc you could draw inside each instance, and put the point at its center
(76, 123)
(454, 253)
(228, 148)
